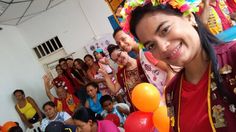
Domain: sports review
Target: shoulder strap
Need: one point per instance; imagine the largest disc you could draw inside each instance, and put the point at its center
(172, 96)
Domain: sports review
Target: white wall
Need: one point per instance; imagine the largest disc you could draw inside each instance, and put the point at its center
(18, 69)
(97, 12)
(69, 23)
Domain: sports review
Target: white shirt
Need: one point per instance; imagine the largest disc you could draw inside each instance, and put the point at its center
(61, 116)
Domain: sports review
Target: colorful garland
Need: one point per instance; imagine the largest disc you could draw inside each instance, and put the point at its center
(185, 6)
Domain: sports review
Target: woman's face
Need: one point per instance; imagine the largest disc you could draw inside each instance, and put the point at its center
(59, 70)
(91, 91)
(63, 65)
(50, 111)
(61, 93)
(70, 63)
(108, 106)
(120, 57)
(83, 126)
(124, 41)
(170, 38)
(19, 96)
(77, 65)
(89, 61)
(98, 55)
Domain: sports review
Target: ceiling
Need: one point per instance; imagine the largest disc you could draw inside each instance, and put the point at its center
(15, 12)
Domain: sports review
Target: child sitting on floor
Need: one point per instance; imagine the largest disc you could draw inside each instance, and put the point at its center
(120, 109)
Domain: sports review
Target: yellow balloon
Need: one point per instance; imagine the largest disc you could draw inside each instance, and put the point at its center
(161, 120)
(145, 97)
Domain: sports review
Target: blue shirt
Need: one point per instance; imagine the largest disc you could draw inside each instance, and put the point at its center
(95, 107)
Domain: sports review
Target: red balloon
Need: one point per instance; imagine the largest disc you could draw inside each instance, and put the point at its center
(139, 122)
(114, 118)
(8, 125)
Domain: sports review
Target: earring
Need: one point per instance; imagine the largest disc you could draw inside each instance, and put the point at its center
(195, 24)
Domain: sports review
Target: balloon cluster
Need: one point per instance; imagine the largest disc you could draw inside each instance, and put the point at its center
(147, 98)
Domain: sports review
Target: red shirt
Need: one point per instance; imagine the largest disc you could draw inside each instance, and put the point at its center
(72, 79)
(66, 102)
(224, 21)
(193, 107)
(232, 4)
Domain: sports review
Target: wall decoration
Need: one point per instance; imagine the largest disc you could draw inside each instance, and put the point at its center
(102, 43)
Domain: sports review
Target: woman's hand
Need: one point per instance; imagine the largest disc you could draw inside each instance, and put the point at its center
(46, 78)
(47, 81)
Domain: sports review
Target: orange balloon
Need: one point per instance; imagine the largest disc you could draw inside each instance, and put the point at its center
(161, 120)
(146, 97)
(8, 125)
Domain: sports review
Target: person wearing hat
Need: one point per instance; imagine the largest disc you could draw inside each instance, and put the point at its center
(57, 126)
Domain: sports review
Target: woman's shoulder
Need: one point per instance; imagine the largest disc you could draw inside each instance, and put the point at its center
(224, 47)
(174, 82)
(29, 99)
(63, 115)
(225, 53)
(99, 95)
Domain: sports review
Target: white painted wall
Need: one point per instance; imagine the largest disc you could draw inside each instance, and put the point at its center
(75, 26)
(97, 12)
(18, 69)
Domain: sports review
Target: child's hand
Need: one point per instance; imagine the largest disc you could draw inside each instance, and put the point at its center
(120, 109)
(103, 72)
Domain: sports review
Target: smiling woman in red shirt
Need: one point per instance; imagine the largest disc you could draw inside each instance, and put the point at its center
(202, 96)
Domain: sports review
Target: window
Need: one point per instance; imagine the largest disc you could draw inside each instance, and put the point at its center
(48, 47)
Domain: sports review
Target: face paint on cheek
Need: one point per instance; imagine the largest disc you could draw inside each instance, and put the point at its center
(158, 56)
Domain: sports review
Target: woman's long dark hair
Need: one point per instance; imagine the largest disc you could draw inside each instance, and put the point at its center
(82, 64)
(94, 85)
(207, 39)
